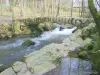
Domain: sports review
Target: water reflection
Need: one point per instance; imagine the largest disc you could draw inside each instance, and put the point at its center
(75, 66)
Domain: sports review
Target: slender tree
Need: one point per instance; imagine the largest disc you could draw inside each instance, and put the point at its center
(1, 7)
(72, 8)
(58, 8)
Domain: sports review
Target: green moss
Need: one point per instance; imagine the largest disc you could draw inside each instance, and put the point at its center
(2, 67)
(96, 60)
(4, 30)
(96, 43)
(83, 53)
(73, 54)
(89, 46)
(16, 27)
(88, 31)
(45, 26)
(23, 59)
(95, 14)
(94, 51)
(27, 43)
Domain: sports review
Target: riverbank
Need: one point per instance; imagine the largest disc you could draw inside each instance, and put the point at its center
(17, 28)
(13, 49)
(47, 58)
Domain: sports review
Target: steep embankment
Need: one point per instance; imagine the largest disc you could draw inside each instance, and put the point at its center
(48, 58)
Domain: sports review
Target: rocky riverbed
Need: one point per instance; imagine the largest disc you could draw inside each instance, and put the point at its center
(48, 58)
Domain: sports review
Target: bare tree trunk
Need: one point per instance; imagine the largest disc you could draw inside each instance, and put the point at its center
(1, 7)
(7, 2)
(20, 7)
(79, 8)
(53, 8)
(82, 12)
(58, 8)
(44, 10)
(72, 8)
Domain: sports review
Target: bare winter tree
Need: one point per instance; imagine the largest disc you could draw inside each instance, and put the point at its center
(58, 8)
(72, 8)
(1, 6)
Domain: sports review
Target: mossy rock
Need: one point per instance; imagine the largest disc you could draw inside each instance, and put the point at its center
(83, 55)
(95, 60)
(88, 46)
(69, 26)
(2, 67)
(46, 26)
(28, 43)
(23, 59)
(73, 54)
(4, 30)
(88, 31)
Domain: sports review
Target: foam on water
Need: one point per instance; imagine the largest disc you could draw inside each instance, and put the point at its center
(44, 36)
(11, 50)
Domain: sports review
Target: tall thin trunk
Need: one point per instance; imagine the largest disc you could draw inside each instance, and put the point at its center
(79, 8)
(7, 2)
(1, 7)
(44, 10)
(72, 8)
(20, 7)
(58, 8)
(82, 12)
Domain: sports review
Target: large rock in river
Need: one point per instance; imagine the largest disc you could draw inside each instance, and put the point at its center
(8, 71)
(28, 43)
(20, 68)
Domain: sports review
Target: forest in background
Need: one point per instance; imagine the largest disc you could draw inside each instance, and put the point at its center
(44, 8)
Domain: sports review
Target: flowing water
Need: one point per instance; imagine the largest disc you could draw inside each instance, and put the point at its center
(11, 50)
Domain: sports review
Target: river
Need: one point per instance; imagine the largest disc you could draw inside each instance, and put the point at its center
(11, 50)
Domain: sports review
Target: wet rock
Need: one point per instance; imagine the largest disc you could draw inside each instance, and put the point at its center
(61, 28)
(20, 68)
(8, 71)
(73, 54)
(28, 43)
(83, 54)
(43, 60)
(88, 31)
(46, 26)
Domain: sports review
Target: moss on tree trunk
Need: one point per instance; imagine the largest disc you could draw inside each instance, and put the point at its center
(95, 56)
(95, 14)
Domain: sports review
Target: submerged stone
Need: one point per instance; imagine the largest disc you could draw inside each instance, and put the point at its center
(20, 68)
(61, 28)
(8, 71)
(28, 43)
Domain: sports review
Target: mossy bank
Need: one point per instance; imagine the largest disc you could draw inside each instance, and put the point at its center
(20, 28)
